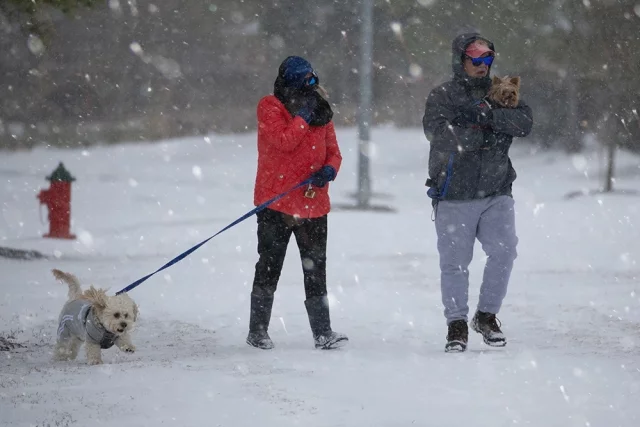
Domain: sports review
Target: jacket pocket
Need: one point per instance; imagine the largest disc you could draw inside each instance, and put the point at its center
(462, 175)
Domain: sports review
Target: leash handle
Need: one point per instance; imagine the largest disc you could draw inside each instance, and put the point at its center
(194, 248)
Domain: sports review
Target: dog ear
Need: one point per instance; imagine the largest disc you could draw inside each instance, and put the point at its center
(515, 81)
(496, 80)
(97, 296)
(135, 312)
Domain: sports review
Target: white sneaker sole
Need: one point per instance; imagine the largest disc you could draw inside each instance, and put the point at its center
(455, 347)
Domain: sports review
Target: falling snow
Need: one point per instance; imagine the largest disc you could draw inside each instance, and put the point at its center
(152, 107)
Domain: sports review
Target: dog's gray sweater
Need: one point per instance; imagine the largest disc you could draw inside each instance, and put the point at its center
(78, 320)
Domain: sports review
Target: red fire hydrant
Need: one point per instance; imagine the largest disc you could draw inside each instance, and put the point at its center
(58, 199)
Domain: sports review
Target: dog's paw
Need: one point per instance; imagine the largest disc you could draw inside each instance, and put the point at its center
(128, 348)
(95, 362)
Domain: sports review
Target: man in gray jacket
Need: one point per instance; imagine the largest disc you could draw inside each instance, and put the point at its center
(470, 177)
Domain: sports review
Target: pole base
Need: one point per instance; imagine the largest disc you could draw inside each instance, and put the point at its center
(621, 191)
(60, 236)
(362, 207)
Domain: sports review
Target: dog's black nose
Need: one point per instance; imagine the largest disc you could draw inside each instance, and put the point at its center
(123, 324)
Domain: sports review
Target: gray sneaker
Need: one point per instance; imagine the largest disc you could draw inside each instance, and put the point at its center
(330, 341)
(260, 339)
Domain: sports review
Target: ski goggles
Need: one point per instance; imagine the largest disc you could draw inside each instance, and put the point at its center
(486, 60)
(312, 80)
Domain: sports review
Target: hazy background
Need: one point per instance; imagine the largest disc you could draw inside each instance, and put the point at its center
(87, 71)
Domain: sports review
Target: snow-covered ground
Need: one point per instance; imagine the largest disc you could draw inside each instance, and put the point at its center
(572, 315)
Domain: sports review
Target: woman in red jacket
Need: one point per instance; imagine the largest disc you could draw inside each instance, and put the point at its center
(296, 140)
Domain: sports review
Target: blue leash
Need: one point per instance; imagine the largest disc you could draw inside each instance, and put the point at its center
(193, 249)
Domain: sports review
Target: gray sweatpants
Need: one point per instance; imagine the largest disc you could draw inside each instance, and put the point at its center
(458, 224)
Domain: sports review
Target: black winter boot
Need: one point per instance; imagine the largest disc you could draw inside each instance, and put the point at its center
(259, 322)
(457, 337)
(489, 326)
(323, 336)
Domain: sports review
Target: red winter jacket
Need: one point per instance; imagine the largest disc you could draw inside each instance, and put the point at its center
(289, 151)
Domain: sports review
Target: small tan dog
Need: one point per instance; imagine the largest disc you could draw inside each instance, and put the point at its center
(504, 91)
(95, 319)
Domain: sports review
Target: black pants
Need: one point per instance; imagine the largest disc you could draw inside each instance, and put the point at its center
(274, 233)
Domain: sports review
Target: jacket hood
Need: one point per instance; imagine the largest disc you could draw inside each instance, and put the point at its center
(288, 88)
(458, 47)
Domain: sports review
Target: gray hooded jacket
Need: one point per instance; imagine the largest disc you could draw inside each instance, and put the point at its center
(467, 163)
(78, 320)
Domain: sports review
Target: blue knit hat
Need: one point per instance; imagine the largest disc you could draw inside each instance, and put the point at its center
(294, 70)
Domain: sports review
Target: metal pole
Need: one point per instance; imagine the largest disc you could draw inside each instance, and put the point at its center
(364, 107)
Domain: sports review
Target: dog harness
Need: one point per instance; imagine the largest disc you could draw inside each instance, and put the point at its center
(78, 320)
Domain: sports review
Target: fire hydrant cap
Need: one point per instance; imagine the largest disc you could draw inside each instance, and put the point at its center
(61, 174)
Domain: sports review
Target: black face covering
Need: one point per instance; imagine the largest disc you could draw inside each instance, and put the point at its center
(293, 99)
(479, 82)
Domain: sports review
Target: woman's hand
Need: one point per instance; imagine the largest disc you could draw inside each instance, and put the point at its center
(323, 176)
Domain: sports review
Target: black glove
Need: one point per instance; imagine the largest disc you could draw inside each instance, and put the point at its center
(324, 175)
(479, 114)
(307, 109)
